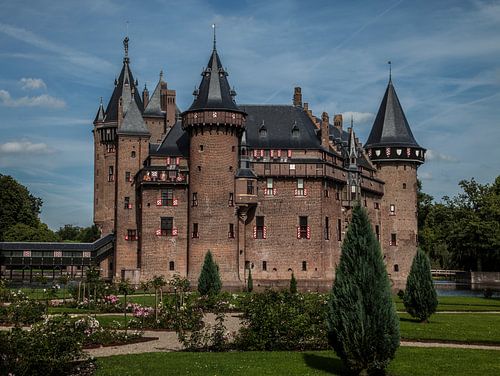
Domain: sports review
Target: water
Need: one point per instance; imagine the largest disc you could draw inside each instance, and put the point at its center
(451, 288)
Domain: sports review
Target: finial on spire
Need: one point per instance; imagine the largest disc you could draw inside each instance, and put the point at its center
(125, 46)
(351, 121)
(390, 70)
(101, 101)
(213, 27)
(161, 74)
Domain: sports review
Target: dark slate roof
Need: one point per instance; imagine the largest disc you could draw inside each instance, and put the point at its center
(123, 88)
(100, 113)
(391, 127)
(154, 105)
(214, 92)
(59, 246)
(133, 123)
(278, 121)
(175, 143)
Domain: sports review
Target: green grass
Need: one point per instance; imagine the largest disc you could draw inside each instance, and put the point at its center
(142, 300)
(460, 303)
(37, 293)
(454, 327)
(409, 361)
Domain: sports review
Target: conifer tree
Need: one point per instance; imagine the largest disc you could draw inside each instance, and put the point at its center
(363, 326)
(293, 285)
(249, 281)
(420, 298)
(209, 282)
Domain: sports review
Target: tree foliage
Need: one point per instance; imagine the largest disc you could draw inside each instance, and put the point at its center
(363, 326)
(463, 232)
(21, 232)
(293, 284)
(209, 283)
(420, 298)
(250, 281)
(78, 234)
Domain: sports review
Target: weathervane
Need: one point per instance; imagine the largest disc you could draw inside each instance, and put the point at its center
(390, 70)
(213, 27)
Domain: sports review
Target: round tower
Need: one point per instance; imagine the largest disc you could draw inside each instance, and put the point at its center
(214, 124)
(396, 154)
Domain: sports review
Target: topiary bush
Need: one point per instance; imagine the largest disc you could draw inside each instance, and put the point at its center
(293, 284)
(420, 298)
(209, 282)
(363, 326)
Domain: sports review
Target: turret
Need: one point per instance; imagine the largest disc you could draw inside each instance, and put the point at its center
(215, 124)
(394, 151)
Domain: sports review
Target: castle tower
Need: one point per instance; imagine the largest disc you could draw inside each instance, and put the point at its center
(393, 150)
(214, 124)
(105, 143)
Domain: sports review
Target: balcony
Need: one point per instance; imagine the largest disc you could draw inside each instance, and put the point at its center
(163, 175)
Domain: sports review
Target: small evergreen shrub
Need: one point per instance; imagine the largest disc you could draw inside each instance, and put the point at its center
(250, 281)
(420, 297)
(293, 284)
(209, 282)
(363, 326)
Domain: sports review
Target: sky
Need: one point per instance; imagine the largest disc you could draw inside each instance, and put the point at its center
(57, 58)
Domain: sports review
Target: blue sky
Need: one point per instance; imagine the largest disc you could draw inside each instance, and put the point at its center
(58, 57)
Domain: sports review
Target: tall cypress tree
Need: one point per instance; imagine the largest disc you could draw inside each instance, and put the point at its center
(363, 326)
(420, 298)
(209, 282)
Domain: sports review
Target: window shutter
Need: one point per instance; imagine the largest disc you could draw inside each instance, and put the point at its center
(305, 191)
(130, 206)
(308, 232)
(255, 232)
(261, 152)
(168, 160)
(126, 237)
(175, 232)
(289, 154)
(255, 153)
(177, 161)
(272, 153)
(264, 236)
(298, 232)
(175, 202)
(158, 232)
(279, 153)
(158, 202)
(28, 253)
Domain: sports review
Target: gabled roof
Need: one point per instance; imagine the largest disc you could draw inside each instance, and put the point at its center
(133, 123)
(391, 127)
(214, 92)
(279, 121)
(153, 107)
(175, 143)
(123, 88)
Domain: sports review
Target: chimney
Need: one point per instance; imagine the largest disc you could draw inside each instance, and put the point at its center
(297, 97)
(306, 106)
(325, 130)
(145, 96)
(337, 122)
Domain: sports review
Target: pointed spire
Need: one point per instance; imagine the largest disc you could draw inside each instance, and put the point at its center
(153, 107)
(133, 123)
(215, 41)
(99, 118)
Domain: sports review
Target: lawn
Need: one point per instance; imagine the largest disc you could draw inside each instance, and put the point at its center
(460, 303)
(467, 327)
(409, 361)
(38, 293)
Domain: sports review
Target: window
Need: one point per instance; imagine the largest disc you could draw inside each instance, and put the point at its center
(132, 154)
(167, 197)
(201, 147)
(127, 176)
(392, 209)
(304, 266)
(327, 228)
(233, 148)
(264, 265)
(259, 229)
(404, 184)
(199, 168)
(131, 235)
(300, 190)
(167, 226)
(377, 232)
(327, 193)
(393, 239)
(230, 234)
(339, 230)
(269, 191)
(110, 148)
(337, 196)
(111, 176)
(250, 187)
(303, 231)
(267, 168)
(195, 234)
(171, 265)
(230, 201)
(396, 266)
(194, 200)
(377, 205)
(292, 166)
(127, 204)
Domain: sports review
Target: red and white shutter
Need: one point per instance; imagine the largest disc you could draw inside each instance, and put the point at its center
(279, 153)
(158, 232)
(175, 202)
(305, 191)
(387, 152)
(57, 254)
(255, 153)
(86, 254)
(26, 253)
(272, 153)
(408, 152)
(264, 235)
(255, 232)
(177, 161)
(308, 232)
(168, 160)
(289, 154)
(130, 206)
(126, 237)
(298, 232)
(158, 202)
(175, 232)
(261, 153)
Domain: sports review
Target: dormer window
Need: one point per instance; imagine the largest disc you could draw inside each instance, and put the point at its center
(295, 130)
(262, 130)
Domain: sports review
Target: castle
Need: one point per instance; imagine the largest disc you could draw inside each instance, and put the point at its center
(263, 187)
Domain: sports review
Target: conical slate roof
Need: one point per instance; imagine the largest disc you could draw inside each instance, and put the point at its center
(100, 113)
(391, 127)
(154, 105)
(214, 92)
(123, 88)
(133, 123)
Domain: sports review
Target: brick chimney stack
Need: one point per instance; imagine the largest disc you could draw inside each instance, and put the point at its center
(145, 96)
(337, 122)
(325, 130)
(297, 97)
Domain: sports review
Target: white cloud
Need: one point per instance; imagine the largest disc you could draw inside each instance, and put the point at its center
(25, 147)
(43, 100)
(425, 175)
(357, 117)
(32, 83)
(432, 155)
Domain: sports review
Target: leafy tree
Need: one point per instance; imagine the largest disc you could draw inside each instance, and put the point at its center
(420, 298)
(17, 205)
(21, 232)
(424, 206)
(363, 326)
(293, 284)
(209, 283)
(250, 281)
(125, 288)
(157, 282)
(69, 232)
(89, 234)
